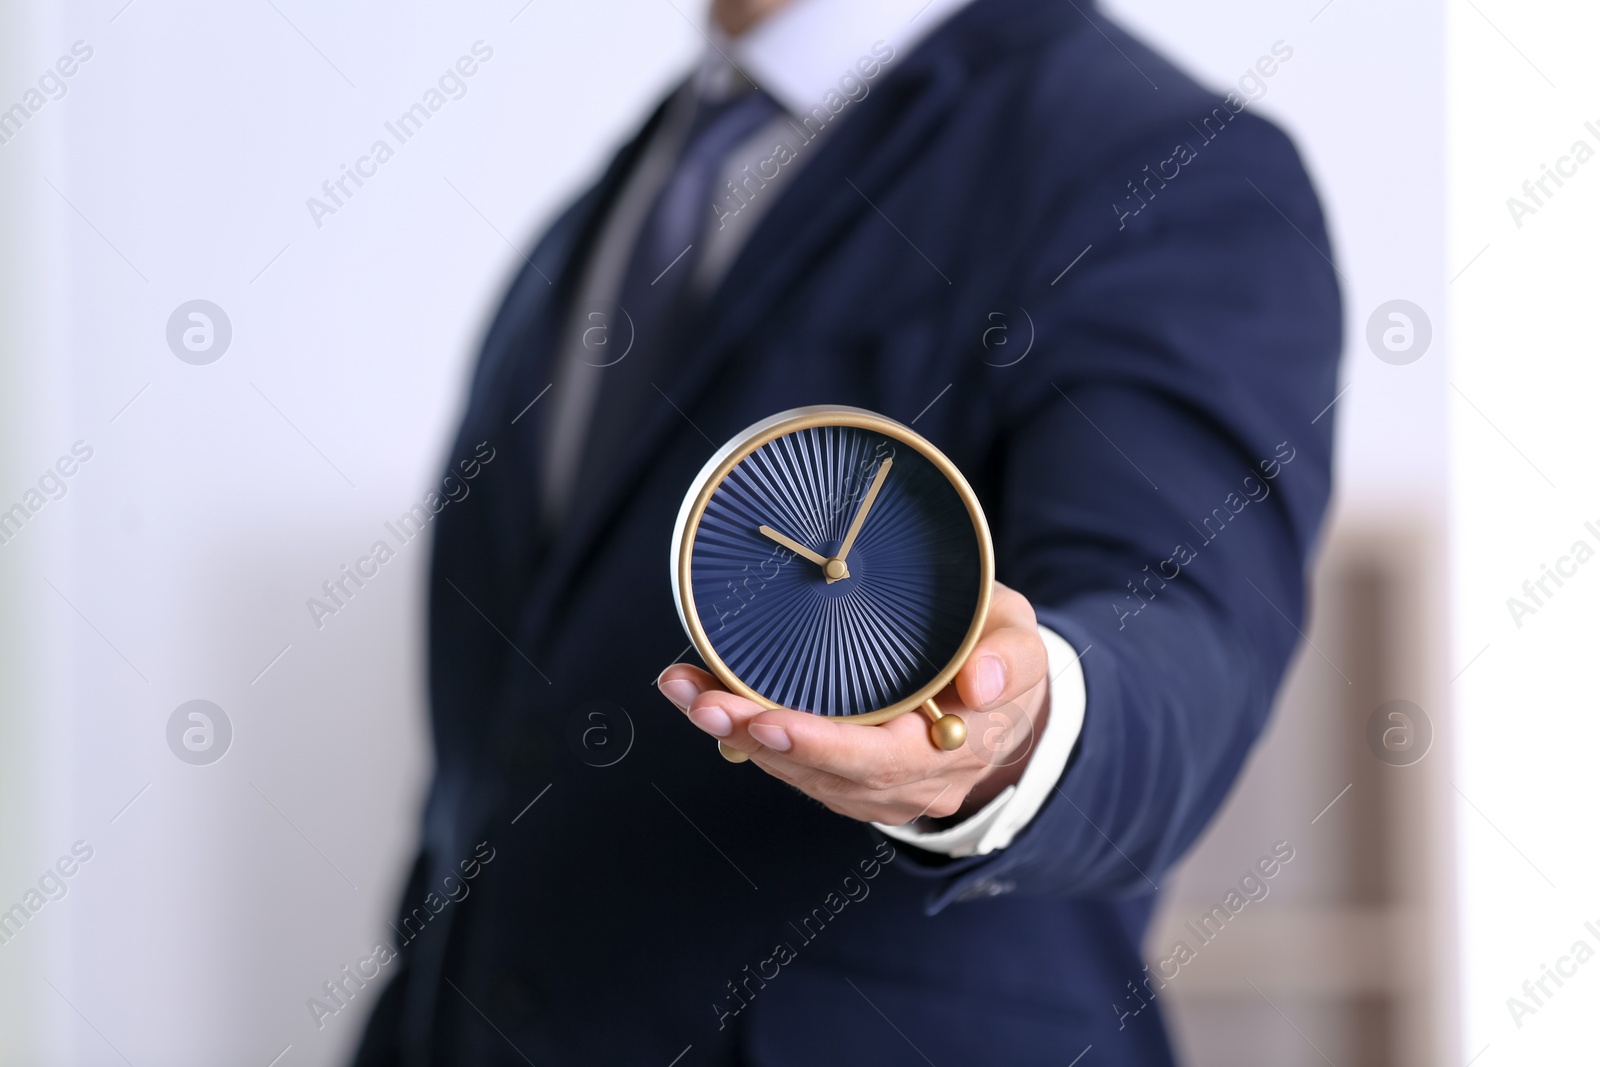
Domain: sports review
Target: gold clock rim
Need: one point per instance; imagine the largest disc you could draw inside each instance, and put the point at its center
(793, 421)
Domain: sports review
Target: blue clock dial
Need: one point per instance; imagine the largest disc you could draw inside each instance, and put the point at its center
(836, 570)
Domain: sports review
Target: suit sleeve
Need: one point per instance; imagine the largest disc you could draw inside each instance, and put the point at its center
(1157, 493)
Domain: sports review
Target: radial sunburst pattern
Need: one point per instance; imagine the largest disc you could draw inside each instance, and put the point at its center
(862, 643)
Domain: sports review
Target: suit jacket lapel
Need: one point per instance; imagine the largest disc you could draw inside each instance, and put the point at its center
(534, 315)
(869, 150)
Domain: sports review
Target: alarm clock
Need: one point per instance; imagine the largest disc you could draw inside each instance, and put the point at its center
(832, 561)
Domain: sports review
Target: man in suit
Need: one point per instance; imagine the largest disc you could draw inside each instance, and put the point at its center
(1106, 294)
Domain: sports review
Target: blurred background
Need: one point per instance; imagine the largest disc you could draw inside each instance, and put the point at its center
(186, 484)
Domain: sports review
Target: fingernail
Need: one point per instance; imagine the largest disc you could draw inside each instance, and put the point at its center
(991, 679)
(774, 737)
(713, 720)
(680, 691)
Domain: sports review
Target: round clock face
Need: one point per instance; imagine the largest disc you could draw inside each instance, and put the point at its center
(832, 561)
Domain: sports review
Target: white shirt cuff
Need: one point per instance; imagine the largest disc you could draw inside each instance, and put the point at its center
(999, 821)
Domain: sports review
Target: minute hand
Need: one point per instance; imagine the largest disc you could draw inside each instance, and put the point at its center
(861, 512)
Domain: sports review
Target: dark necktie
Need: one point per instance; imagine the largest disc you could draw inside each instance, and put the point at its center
(655, 286)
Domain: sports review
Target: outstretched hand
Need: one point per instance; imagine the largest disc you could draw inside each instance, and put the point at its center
(893, 773)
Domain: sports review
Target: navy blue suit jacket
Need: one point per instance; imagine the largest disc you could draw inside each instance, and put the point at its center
(1155, 476)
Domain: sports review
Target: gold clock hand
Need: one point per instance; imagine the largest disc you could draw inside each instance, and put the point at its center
(793, 546)
(861, 517)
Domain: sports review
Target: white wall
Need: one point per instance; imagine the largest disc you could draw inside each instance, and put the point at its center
(1523, 85)
(37, 765)
(225, 494)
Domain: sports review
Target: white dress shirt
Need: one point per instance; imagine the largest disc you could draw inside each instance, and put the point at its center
(811, 56)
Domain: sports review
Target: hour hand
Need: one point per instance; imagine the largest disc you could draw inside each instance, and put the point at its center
(795, 546)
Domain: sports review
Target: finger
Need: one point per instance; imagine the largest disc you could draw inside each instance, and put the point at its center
(892, 792)
(828, 759)
(771, 746)
(876, 757)
(682, 682)
(715, 711)
(1009, 660)
(724, 716)
(728, 718)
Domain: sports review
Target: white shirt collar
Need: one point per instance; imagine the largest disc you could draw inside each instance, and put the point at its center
(799, 54)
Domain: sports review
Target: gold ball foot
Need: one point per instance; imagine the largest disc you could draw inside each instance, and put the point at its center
(733, 755)
(949, 732)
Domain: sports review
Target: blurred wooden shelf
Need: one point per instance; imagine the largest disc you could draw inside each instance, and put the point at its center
(1349, 958)
(1335, 952)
